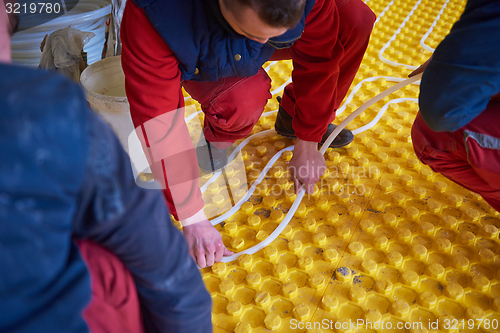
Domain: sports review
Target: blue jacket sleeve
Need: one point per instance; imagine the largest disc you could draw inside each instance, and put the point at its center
(465, 69)
(134, 223)
(44, 284)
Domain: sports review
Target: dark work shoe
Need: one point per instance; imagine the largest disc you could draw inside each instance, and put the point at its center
(210, 159)
(283, 126)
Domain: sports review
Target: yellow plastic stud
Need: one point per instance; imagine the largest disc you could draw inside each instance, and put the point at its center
(343, 232)
(426, 174)
(309, 224)
(443, 244)
(330, 303)
(412, 212)
(394, 168)
(245, 260)
(261, 235)
(395, 258)
(272, 321)
(456, 200)
(383, 286)
(373, 316)
(231, 228)
(475, 312)
(357, 294)
(480, 282)
(354, 210)
(343, 274)
(410, 278)
(261, 150)
(472, 214)
(270, 252)
(369, 266)
(406, 179)
(247, 208)
(419, 251)
(404, 234)
(331, 255)
(290, 290)
(269, 201)
(262, 298)
(218, 199)
(401, 152)
(280, 270)
(381, 242)
(454, 291)
(319, 238)
(332, 216)
(440, 186)
(356, 248)
(234, 308)
(306, 263)
(490, 231)
(317, 281)
(460, 262)
(390, 219)
(253, 221)
(467, 237)
(487, 256)
(301, 311)
(413, 163)
(419, 192)
(450, 222)
(253, 279)
(295, 245)
(382, 157)
(434, 206)
(398, 198)
(435, 270)
(400, 308)
(367, 225)
(427, 228)
(226, 287)
(427, 299)
(219, 268)
(363, 161)
(237, 242)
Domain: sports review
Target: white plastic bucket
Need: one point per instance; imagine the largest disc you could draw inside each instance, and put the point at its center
(104, 85)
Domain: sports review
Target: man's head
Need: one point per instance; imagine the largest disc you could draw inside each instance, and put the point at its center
(260, 20)
(8, 24)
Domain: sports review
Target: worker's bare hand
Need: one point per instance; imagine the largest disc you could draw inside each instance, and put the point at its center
(421, 68)
(307, 165)
(205, 243)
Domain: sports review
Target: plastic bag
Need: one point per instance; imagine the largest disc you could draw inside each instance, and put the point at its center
(63, 51)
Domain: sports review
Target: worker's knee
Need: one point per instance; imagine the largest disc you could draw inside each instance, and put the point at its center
(241, 103)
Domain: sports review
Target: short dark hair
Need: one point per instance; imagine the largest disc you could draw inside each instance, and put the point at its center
(275, 13)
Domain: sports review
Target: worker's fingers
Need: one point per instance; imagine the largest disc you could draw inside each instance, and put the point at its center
(227, 253)
(298, 185)
(219, 253)
(210, 257)
(199, 252)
